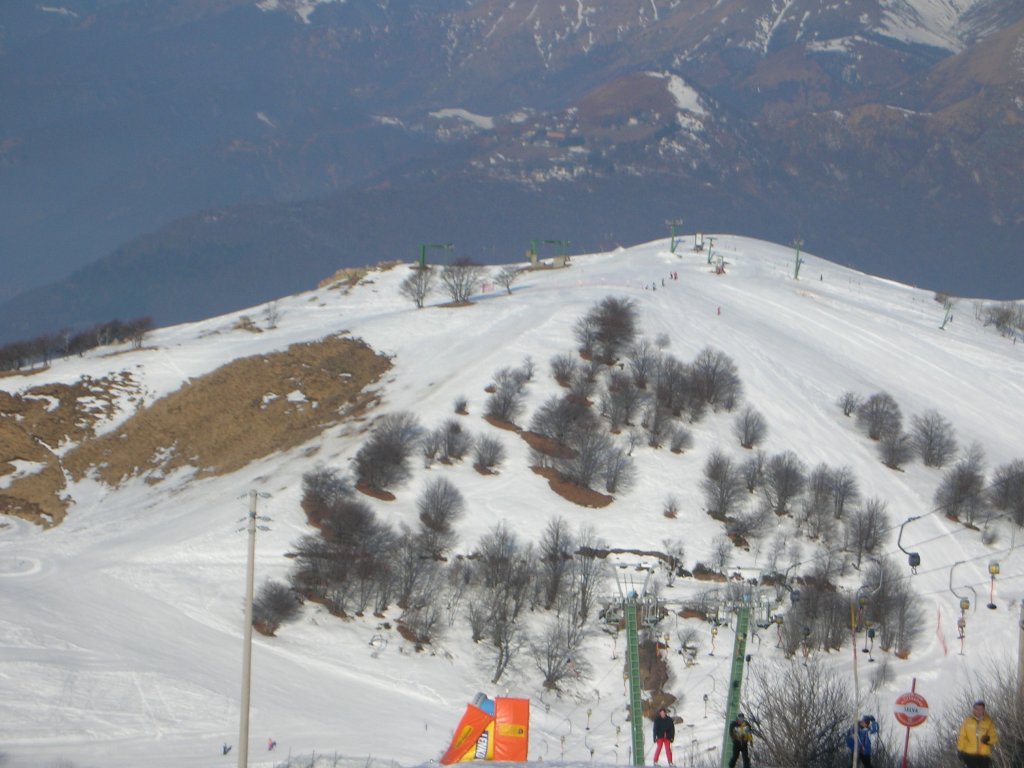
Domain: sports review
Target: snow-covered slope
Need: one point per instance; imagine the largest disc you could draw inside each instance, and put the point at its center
(121, 629)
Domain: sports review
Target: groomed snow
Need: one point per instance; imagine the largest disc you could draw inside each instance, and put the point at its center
(121, 629)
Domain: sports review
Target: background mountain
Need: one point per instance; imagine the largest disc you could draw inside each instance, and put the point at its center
(120, 612)
(169, 154)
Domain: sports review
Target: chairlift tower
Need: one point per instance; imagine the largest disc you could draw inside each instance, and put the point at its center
(739, 659)
(631, 602)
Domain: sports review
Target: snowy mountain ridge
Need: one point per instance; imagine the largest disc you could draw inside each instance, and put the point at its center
(121, 627)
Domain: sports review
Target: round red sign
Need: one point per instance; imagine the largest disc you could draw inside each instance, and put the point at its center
(911, 709)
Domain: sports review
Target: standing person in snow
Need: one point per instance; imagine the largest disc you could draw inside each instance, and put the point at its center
(863, 743)
(739, 732)
(664, 735)
(977, 738)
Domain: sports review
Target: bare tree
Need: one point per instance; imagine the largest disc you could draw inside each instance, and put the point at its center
(721, 553)
(845, 490)
(507, 276)
(800, 711)
(1006, 491)
(275, 604)
(681, 439)
(879, 415)
(896, 449)
(413, 565)
(722, 486)
(643, 362)
(556, 651)
(619, 471)
(555, 549)
(505, 403)
(818, 509)
(753, 470)
(383, 461)
(559, 417)
(506, 570)
(894, 606)
(961, 492)
(562, 368)
(933, 438)
(866, 529)
(784, 480)
(489, 452)
(439, 505)
(620, 400)
(454, 442)
(461, 278)
(849, 402)
(750, 427)
(673, 388)
(588, 574)
(418, 285)
(615, 322)
(716, 379)
(592, 450)
(658, 423)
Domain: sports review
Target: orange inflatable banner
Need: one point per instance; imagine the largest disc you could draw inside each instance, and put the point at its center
(494, 730)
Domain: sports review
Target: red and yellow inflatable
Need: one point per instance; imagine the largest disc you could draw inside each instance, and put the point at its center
(491, 730)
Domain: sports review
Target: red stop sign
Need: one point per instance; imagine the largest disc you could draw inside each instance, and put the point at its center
(911, 709)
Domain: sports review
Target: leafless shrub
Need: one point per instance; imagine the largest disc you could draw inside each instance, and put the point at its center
(489, 452)
(418, 285)
(681, 440)
(752, 471)
(613, 321)
(275, 604)
(896, 449)
(383, 460)
(879, 415)
(643, 362)
(439, 506)
(750, 427)
(670, 507)
(562, 368)
(849, 402)
(800, 713)
(721, 485)
(716, 379)
(620, 400)
(461, 278)
(507, 276)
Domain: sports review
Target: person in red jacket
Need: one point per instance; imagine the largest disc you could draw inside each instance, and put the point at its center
(664, 735)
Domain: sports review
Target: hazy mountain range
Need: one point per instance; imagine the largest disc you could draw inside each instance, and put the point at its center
(179, 158)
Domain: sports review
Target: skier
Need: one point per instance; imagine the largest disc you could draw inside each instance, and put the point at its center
(739, 732)
(270, 745)
(225, 749)
(977, 738)
(863, 743)
(664, 735)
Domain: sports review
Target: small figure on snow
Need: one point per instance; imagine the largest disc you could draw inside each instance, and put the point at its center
(863, 742)
(739, 732)
(664, 735)
(225, 749)
(977, 738)
(270, 745)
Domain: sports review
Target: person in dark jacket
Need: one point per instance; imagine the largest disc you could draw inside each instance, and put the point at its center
(664, 735)
(863, 743)
(739, 732)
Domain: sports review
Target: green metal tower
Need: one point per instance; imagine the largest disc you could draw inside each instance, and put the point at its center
(739, 658)
(636, 713)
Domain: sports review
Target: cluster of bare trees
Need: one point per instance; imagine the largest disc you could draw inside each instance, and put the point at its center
(357, 563)
(43, 349)
(460, 280)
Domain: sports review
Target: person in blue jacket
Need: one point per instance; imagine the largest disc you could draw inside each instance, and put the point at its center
(863, 742)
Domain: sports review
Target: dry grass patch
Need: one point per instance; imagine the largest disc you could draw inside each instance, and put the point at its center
(241, 412)
(577, 494)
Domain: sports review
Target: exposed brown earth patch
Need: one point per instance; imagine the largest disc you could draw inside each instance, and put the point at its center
(215, 424)
(584, 497)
